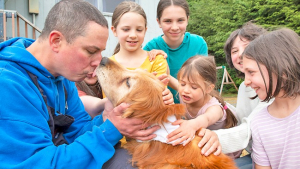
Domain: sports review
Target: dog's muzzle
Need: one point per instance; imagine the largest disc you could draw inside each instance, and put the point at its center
(104, 61)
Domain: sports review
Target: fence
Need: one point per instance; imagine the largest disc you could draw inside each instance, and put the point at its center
(14, 17)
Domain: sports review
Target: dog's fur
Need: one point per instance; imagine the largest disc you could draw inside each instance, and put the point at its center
(143, 91)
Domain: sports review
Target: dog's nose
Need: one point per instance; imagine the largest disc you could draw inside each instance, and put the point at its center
(104, 61)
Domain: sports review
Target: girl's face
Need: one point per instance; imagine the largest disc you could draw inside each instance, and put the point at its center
(91, 80)
(254, 78)
(173, 22)
(130, 31)
(191, 92)
(238, 47)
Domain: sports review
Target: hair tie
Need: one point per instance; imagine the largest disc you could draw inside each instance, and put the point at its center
(225, 107)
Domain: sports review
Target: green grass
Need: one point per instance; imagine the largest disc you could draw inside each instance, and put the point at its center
(224, 95)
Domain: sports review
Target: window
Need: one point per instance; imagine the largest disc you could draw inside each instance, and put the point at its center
(110, 5)
(106, 5)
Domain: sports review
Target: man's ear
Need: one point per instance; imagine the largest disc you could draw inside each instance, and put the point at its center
(158, 22)
(113, 29)
(55, 40)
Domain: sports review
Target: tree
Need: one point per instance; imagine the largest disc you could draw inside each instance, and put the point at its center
(216, 19)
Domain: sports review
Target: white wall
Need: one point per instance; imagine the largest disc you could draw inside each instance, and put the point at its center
(21, 6)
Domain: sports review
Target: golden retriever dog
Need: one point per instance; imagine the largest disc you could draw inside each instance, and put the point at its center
(143, 91)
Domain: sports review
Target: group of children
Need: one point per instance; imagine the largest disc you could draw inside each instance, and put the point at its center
(268, 100)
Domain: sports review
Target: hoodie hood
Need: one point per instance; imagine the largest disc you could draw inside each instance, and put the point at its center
(14, 50)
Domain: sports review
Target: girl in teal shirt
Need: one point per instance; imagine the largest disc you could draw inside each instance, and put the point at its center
(179, 45)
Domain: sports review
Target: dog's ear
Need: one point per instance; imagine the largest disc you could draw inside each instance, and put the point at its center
(145, 99)
(144, 102)
(176, 109)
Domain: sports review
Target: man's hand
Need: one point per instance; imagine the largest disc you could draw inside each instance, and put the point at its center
(129, 127)
(210, 141)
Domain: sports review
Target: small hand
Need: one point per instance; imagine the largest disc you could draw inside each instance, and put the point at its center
(210, 141)
(185, 132)
(167, 97)
(164, 78)
(154, 52)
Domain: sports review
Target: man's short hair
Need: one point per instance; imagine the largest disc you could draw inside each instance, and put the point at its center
(70, 17)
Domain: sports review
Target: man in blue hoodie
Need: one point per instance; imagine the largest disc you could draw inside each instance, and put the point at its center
(37, 95)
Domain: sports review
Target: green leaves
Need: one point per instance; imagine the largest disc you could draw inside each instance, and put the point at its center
(216, 19)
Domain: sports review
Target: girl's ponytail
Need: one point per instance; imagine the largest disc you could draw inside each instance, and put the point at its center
(230, 120)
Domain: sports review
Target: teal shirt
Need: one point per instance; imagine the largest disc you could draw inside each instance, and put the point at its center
(191, 45)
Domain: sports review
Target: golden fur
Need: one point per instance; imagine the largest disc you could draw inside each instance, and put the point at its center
(143, 91)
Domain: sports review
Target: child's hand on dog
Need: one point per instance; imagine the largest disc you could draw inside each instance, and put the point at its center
(129, 127)
(167, 95)
(209, 142)
(185, 133)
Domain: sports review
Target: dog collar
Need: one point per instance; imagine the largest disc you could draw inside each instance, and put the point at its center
(165, 129)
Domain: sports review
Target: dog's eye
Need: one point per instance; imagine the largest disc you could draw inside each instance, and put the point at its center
(127, 83)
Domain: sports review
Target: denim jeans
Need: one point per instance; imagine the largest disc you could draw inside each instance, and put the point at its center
(244, 162)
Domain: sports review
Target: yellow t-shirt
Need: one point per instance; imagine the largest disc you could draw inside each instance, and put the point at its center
(159, 65)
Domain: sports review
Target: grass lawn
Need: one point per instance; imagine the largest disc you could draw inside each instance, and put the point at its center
(230, 98)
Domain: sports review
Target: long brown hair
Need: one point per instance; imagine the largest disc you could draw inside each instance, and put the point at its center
(87, 89)
(248, 31)
(206, 68)
(163, 4)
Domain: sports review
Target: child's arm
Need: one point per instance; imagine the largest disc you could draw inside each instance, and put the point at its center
(173, 83)
(261, 167)
(93, 105)
(212, 115)
(188, 128)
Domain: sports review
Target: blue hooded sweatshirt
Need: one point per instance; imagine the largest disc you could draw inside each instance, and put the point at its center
(26, 140)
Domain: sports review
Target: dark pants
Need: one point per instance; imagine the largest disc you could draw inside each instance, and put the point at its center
(244, 162)
(120, 160)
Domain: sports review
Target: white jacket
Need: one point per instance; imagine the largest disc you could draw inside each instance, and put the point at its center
(238, 138)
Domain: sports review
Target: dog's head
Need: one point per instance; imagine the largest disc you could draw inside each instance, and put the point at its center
(141, 89)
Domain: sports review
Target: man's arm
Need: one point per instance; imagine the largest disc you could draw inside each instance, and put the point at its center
(26, 132)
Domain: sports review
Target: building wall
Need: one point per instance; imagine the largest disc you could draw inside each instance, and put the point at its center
(22, 7)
